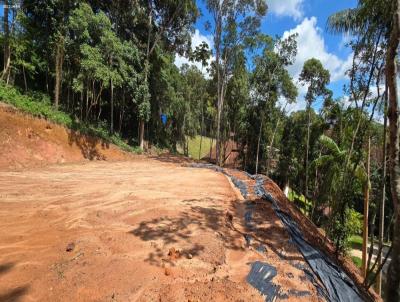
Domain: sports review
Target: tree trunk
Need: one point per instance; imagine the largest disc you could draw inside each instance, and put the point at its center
(7, 49)
(365, 229)
(217, 41)
(112, 107)
(307, 150)
(141, 134)
(87, 104)
(271, 144)
(24, 75)
(372, 240)
(59, 60)
(201, 130)
(393, 276)
(258, 145)
(382, 205)
(122, 111)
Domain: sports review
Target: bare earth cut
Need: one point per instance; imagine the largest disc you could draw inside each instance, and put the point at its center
(141, 230)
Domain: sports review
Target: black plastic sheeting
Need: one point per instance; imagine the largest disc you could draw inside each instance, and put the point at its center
(338, 286)
(260, 277)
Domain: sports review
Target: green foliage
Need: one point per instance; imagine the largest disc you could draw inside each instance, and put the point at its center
(356, 241)
(342, 228)
(301, 202)
(357, 261)
(316, 77)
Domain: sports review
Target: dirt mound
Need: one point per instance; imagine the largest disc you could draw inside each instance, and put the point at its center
(26, 141)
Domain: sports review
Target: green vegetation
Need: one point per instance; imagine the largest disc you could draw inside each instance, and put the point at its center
(39, 105)
(357, 261)
(194, 146)
(356, 241)
(302, 203)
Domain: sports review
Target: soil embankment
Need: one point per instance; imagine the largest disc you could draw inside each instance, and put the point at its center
(26, 142)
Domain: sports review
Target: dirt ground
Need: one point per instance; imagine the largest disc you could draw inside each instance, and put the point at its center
(138, 230)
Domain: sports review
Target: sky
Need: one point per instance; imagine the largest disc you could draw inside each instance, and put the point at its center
(308, 18)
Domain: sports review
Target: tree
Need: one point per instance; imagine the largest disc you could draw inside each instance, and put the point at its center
(171, 23)
(334, 169)
(316, 78)
(393, 278)
(381, 18)
(235, 22)
(48, 20)
(270, 82)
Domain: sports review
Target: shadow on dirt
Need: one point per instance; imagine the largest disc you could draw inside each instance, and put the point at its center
(4, 268)
(15, 294)
(88, 144)
(179, 231)
(228, 229)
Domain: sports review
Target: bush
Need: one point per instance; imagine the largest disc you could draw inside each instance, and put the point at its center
(38, 104)
(342, 228)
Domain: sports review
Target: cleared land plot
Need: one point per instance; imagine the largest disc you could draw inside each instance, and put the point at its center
(141, 230)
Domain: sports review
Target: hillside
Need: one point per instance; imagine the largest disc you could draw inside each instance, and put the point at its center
(26, 141)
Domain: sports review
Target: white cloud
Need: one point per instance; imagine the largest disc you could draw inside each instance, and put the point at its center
(286, 8)
(197, 39)
(311, 44)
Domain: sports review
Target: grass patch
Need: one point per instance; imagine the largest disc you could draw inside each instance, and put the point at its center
(39, 105)
(357, 261)
(194, 146)
(356, 241)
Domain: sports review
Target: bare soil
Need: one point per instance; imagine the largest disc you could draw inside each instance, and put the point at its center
(26, 141)
(139, 230)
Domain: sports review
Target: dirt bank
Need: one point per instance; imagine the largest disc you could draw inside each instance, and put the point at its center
(26, 141)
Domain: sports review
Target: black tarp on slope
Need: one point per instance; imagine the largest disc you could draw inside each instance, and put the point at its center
(339, 287)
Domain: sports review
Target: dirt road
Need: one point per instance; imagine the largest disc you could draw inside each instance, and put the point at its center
(141, 230)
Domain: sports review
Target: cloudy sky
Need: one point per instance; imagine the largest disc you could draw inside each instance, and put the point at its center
(307, 18)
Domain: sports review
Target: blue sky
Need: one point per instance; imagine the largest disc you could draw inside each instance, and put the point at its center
(307, 18)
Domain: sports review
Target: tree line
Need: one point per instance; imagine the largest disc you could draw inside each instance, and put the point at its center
(113, 63)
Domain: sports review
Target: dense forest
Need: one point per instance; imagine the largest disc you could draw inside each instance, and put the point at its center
(111, 64)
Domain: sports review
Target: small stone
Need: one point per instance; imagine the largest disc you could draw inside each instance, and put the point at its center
(70, 247)
(190, 256)
(167, 271)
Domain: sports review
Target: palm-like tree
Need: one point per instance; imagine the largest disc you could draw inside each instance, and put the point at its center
(370, 17)
(335, 169)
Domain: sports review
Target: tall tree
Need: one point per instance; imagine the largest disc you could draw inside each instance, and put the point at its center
(393, 277)
(234, 22)
(316, 77)
(169, 22)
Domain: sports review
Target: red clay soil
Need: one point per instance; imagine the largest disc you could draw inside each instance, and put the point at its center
(26, 141)
(139, 230)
